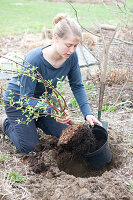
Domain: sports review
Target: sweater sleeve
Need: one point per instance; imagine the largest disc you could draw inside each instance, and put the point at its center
(77, 87)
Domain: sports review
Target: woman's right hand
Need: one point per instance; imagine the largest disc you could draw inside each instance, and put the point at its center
(65, 119)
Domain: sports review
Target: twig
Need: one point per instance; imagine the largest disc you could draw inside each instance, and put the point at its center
(120, 92)
(123, 103)
(57, 94)
(76, 13)
(40, 113)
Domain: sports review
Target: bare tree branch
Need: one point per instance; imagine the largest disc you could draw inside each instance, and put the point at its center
(76, 14)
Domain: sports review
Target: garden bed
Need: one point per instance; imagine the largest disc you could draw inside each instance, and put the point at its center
(71, 179)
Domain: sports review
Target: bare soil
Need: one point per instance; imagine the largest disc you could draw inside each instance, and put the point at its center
(49, 177)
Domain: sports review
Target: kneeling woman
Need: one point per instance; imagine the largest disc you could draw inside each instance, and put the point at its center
(53, 61)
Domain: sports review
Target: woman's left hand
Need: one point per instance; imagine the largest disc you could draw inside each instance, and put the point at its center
(92, 120)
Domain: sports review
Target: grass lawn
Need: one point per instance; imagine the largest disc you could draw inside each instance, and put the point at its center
(18, 16)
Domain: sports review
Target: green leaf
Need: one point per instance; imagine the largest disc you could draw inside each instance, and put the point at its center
(15, 177)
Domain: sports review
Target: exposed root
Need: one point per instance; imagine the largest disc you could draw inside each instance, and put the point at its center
(77, 139)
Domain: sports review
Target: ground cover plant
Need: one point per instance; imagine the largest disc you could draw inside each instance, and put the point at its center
(3, 158)
(15, 177)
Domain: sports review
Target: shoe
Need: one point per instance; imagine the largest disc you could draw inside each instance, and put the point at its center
(2, 120)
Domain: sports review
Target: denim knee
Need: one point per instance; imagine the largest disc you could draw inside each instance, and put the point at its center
(24, 139)
(25, 149)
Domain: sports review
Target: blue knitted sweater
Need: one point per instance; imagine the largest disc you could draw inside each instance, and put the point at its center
(69, 68)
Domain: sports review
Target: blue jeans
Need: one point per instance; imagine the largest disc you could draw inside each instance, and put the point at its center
(25, 137)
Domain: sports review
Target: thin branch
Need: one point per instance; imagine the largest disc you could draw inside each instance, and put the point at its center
(36, 72)
(120, 92)
(23, 109)
(122, 11)
(123, 103)
(119, 7)
(57, 94)
(76, 14)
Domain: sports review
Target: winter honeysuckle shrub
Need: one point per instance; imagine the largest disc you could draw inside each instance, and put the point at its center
(50, 103)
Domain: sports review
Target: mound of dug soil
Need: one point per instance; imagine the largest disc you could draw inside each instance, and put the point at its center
(43, 156)
(75, 140)
(66, 153)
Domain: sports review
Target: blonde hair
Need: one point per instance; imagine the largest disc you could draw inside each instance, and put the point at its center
(63, 25)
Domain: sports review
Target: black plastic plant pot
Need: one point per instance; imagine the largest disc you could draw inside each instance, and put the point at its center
(101, 156)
